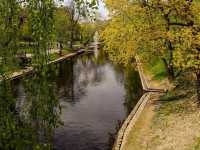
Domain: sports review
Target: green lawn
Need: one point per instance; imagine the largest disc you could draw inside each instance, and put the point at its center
(156, 67)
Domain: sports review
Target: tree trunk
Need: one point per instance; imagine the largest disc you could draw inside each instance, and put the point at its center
(61, 48)
(169, 68)
(170, 62)
(169, 65)
(72, 38)
(198, 85)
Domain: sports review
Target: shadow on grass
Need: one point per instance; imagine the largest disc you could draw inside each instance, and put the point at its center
(175, 102)
(172, 96)
(160, 75)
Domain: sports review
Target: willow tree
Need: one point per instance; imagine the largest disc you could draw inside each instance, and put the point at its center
(18, 131)
(9, 31)
(30, 127)
(87, 32)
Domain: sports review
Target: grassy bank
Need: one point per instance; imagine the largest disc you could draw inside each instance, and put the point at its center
(155, 73)
(170, 121)
(55, 56)
(27, 67)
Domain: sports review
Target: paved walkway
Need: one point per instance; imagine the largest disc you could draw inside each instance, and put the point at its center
(130, 122)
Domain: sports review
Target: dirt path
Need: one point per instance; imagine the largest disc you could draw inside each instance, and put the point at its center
(137, 112)
(138, 136)
(173, 124)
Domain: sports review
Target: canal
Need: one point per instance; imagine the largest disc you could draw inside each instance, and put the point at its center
(78, 106)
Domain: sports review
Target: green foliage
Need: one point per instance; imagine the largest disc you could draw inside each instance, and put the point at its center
(166, 29)
(62, 25)
(87, 32)
(169, 30)
(28, 122)
(156, 66)
(17, 131)
(42, 22)
(9, 31)
(197, 144)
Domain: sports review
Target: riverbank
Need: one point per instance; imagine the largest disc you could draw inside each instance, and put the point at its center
(168, 121)
(132, 119)
(30, 69)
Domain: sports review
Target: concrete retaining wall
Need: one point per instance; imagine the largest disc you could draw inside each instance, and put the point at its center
(130, 122)
(134, 115)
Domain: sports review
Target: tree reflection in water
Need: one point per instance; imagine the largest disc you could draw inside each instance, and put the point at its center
(133, 88)
(73, 78)
(29, 111)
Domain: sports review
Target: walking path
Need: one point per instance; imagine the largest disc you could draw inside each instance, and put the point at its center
(123, 133)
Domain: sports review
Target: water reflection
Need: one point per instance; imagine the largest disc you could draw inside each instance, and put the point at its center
(29, 111)
(95, 114)
(74, 105)
(133, 88)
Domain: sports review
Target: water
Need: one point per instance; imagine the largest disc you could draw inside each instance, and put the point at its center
(95, 106)
(94, 96)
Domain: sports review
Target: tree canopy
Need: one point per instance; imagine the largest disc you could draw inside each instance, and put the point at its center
(167, 29)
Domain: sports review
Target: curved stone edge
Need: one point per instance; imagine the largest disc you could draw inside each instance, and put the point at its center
(134, 115)
(145, 84)
(130, 122)
(135, 118)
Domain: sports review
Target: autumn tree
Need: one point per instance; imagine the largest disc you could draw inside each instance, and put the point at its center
(168, 29)
(186, 40)
(177, 29)
(121, 35)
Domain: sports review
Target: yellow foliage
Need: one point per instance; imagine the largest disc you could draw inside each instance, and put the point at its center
(121, 36)
(169, 29)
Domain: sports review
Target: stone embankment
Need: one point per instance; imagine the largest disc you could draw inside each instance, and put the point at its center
(136, 112)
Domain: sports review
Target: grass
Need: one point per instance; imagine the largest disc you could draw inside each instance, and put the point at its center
(24, 49)
(57, 55)
(179, 98)
(197, 145)
(172, 95)
(157, 68)
(54, 56)
(174, 125)
(10, 70)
